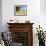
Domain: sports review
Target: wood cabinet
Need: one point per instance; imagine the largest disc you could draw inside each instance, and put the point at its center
(22, 29)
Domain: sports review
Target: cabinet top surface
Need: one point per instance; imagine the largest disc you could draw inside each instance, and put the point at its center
(19, 23)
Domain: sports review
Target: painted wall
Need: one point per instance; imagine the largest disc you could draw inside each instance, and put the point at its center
(8, 11)
(36, 16)
(43, 6)
(0, 15)
(43, 14)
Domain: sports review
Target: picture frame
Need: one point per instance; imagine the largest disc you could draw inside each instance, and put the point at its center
(20, 10)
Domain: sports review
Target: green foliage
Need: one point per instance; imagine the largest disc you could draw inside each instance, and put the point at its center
(40, 33)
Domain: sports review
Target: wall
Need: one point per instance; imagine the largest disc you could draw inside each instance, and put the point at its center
(43, 14)
(8, 10)
(37, 16)
(43, 6)
(0, 15)
(8, 13)
(34, 16)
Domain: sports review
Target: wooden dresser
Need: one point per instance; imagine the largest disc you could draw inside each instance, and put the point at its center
(22, 33)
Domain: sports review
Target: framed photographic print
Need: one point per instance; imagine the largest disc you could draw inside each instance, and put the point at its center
(20, 10)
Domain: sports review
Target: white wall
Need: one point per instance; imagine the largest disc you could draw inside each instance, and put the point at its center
(34, 16)
(43, 6)
(37, 16)
(8, 10)
(43, 14)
